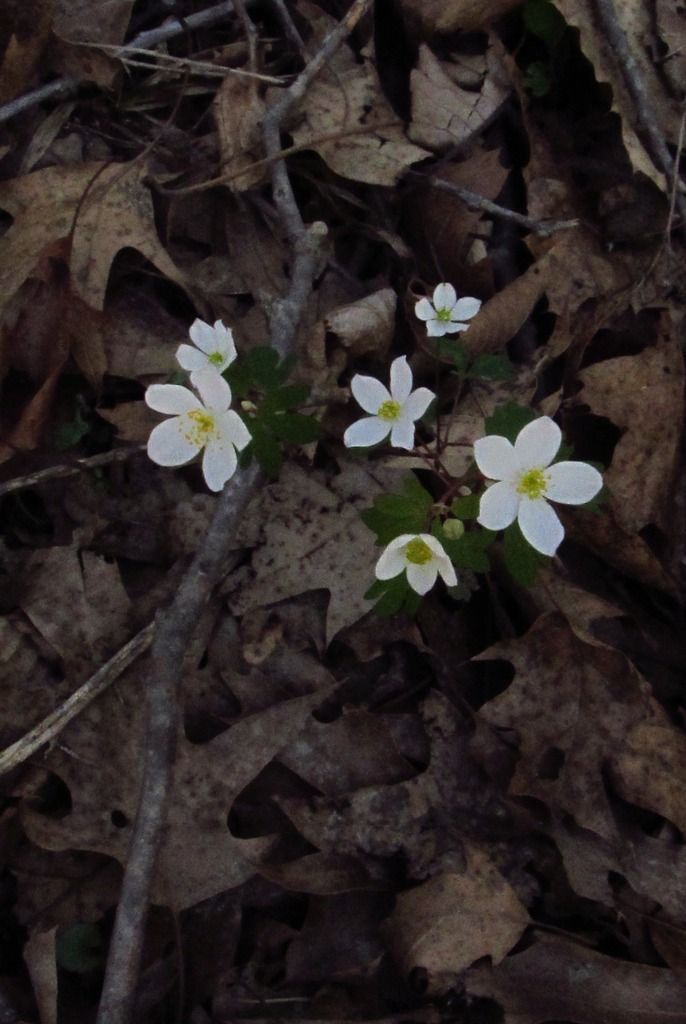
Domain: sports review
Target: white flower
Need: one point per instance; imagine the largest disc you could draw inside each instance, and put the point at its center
(422, 556)
(393, 413)
(445, 315)
(214, 347)
(205, 422)
(527, 481)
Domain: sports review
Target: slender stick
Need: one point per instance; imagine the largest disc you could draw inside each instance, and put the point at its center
(66, 469)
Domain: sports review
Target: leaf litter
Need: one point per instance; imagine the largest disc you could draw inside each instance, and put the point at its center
(476, 815)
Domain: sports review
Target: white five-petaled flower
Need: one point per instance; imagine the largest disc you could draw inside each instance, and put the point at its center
(198, 422)
(391, 412)
(214, 347)
(422, 556)
(526, 482)
(446, 314)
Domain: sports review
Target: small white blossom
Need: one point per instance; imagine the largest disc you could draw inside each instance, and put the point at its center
(446, 314)
(197, 423)
(422, 556)
(526, 482)
(214, 347)
(393, 412)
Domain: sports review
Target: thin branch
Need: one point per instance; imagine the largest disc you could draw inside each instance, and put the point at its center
(178, 64)
(475, 201)
(645, 110)
(62, 87)
(289, 27)
(175, 625)
(66, 469)
(53, 724)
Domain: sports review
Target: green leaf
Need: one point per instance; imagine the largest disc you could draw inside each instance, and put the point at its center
(266, 450)
(262, 364)
(238, 377)
(69, 434)
(537, 78)
(543, 20)
(294, 427)
(80, 948)
(391, 595)
(508, 420)
(394, 514)
(456, 351)
(284, 398)
(522, 561)
(469, 550)
(466, 507)
(491, 367)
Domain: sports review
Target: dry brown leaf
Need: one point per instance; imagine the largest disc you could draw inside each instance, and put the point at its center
(77, 602)
(26, 28)
(331, 550)
(669, 26)
(40, 959)
(642, 394)
(199, 855)
(238, 111)
(366, 326)
(92, 21)
(557, 979)
(133, 421)
(430, 16)
(561, 684)
(650, 770)
(444, 925)
(443, 113)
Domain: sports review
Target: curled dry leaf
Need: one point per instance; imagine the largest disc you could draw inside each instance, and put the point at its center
(445, 114)
(40, 959)
(446, 924)
(436, 16)
(238, 110)
(25, 37)
(650, 768)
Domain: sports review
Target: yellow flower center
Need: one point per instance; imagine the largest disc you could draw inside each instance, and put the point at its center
(216, 358)
(443, 315)
(389, 410)
(200, 427)
(533, 484)
(418, 552)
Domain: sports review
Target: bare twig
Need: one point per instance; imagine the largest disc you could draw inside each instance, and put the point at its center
(176, 624)
(289, 27)
(168, 62)
(473, 199)
(251, 34)
(53, 724)
(645, 110)
(676, 181)
(62, 87)
(66, 469)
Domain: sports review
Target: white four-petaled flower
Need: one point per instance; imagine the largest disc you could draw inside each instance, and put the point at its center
(214, 347)
(198, 422)
(446, 314)
(391, 412)
(422, 556)
(526, 482)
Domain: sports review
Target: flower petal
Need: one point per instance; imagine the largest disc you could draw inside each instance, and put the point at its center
(366, 432)
(218, 463)
(537, 443)
(401, 379)
(424, 310)
(418, 402)
(540, 525)
(452, 327)
(232, 429)
(212, 388)
(225, 342)
(465, 308)
(445, 296)
(422, 577)
(402, 433)
(369, 393)
(171, 399)
(204, 336)
(191, 358)
(573, 483)
(495, 457)
(169, 444)
(392, 561)
(437, 328)
(498, 506)
(447, 571)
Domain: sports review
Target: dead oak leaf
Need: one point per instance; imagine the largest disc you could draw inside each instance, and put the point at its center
(199, 855)
(573, 705)
(650, 769)
(308, 536)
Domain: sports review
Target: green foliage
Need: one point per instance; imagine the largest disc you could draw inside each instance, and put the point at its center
(259, 376)
(469, 551)
(466, 507)
(483, 367)
(395, 514)
(393, 596)
(537, 78)
(68, 434)
(543, 20)
(508, 420)
(523, 562)
(80, 948)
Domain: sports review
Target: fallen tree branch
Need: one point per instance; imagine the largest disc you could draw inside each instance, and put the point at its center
(58, 719)
(66, 469)
(176, 624)
(475, 201)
